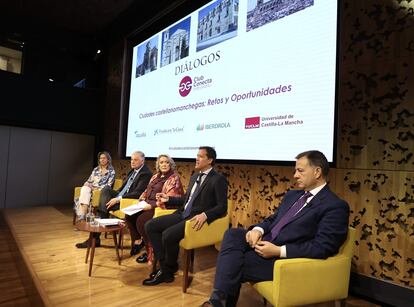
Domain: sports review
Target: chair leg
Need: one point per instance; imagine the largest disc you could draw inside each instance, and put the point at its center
(192, 261)
(340, 303)
(187, 256)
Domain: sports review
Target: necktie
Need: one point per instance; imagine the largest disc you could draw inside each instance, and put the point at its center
(128, 184)
(187, 209)
(270, 236)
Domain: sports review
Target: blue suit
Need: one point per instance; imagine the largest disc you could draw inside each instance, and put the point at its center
(317, 231)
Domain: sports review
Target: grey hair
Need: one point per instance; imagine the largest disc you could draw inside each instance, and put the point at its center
(172, 163)
(140, 153)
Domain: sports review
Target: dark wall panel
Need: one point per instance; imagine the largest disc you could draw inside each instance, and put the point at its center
(48, 105)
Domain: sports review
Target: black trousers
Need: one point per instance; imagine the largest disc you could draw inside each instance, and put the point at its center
(165, 233)
(106, 195)
(237, 262)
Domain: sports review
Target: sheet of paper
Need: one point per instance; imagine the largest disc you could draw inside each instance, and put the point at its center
(135, 208)
(108, 222)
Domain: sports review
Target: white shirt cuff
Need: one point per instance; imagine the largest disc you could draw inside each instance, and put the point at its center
(283, 251)
(282, 248)
(259, 229)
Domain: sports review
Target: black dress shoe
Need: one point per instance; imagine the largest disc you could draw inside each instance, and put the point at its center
(136, 248)
(85, 244)
(160, 277)
(143, 258)
(212, 303)
(152, 274)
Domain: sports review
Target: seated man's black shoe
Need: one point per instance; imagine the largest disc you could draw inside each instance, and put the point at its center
(213, 303)
(217, 299)
(152, 274)
(85, 244)
(160, 277)
(136, 248)
(143, 258)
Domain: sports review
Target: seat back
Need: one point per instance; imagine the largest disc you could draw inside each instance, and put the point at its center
(117, 184)
(348, 246)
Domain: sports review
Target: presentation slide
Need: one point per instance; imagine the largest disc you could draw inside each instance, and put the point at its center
(254, 79)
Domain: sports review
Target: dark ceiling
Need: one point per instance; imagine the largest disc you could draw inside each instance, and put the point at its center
(84, 18)
(60, 39)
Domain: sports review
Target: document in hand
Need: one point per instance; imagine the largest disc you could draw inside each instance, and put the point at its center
(135, 208)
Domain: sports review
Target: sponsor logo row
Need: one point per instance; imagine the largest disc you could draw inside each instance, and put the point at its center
(199, 127)
(249, 123)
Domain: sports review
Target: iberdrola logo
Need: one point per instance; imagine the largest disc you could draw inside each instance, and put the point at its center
(200, 127)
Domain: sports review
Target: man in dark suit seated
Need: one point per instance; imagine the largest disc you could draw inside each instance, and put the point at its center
(204, 201)
(311, 223)
(133, 186)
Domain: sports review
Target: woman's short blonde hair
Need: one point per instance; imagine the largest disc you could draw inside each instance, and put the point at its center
(157, 163)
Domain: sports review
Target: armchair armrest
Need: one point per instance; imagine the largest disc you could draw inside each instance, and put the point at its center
(76, 193)
(314, 277)
(96, 194)
(160, 212)
(125, 202)
(209, 234)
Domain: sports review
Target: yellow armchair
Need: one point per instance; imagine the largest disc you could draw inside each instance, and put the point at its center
(209, 234)
(125, 202)
(96, 194)
(302, 281)
(160, 212)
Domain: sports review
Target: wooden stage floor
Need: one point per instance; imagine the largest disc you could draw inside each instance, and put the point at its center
(45, 239)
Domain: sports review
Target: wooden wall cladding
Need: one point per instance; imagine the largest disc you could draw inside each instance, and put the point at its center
(382, 211)
(375, 135)
(376, 116)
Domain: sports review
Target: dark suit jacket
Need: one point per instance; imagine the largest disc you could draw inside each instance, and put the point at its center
(210, 199)
(317, 231)
(140, 183)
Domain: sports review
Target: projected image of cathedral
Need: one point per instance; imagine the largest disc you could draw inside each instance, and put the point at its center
(217, 23)
(175, 42)
(147, 57)
(271, 10)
